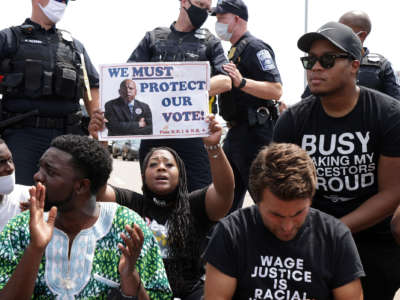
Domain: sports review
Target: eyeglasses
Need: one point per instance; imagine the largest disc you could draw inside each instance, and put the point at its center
(326, 61)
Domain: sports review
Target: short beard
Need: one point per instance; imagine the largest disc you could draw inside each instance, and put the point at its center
(61, 206)
(320, 94)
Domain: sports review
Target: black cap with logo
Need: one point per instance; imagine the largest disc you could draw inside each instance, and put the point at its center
(340, 35)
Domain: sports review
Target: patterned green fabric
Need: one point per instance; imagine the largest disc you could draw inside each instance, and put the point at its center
(104, 272)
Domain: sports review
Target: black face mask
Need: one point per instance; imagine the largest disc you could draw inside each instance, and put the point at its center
(197, 15)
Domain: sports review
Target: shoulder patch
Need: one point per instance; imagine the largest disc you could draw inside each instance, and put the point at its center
(372, 57)
(265, 59)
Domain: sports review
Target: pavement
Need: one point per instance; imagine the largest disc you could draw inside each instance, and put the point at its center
(126, 174)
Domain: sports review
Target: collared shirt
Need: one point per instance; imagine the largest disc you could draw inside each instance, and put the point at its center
(91, 270)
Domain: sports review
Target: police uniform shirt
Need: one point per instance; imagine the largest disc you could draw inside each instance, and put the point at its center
(376, 72)
(257, 61)
(145, 51)
(8, 46)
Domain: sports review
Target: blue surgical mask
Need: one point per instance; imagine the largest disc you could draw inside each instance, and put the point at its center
(222, 31)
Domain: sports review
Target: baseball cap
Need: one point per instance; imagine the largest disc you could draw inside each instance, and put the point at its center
(340, 35)
(236, 7)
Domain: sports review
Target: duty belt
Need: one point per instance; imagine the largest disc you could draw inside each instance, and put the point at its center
(33, 121)
(257, 115)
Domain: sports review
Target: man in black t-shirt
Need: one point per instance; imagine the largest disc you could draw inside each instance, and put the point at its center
(281, 248)
(352, 134)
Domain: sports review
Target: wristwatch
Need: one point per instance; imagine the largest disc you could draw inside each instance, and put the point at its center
(242, 83)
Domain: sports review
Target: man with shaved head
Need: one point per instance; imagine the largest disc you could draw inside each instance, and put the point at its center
(376, 71)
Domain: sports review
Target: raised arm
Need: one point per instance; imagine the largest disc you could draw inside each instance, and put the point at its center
(22, 282)
(219, 195)
(131, 284)
(382, 204)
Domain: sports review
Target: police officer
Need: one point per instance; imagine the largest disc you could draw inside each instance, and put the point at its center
(185, 40)
(249, 108)
(375, 71)
(42, 81)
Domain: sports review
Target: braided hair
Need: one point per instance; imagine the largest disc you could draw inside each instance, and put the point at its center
(183, 239)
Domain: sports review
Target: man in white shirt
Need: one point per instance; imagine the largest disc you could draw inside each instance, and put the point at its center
(11, 194)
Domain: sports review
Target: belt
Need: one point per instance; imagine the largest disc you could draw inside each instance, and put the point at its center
(45, 122)
(256, 114)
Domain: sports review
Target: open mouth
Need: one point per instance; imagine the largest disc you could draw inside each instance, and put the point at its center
(162, 178)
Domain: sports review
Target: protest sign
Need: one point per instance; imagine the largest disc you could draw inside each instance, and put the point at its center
(154, 100)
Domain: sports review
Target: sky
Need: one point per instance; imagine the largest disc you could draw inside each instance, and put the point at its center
(110, 30)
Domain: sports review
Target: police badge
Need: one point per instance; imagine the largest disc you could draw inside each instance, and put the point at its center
(200, 33)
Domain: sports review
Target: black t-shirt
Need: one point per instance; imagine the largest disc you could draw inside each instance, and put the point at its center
(345, 150)
(320, 258)
(156, 218)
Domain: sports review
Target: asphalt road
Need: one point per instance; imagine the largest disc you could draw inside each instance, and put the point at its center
(126, 174)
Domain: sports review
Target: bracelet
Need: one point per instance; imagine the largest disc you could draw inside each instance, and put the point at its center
(125, 297)
(242, 84)
(215, 155)
(212, 147)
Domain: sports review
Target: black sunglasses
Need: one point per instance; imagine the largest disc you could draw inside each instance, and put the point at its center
(326, 61)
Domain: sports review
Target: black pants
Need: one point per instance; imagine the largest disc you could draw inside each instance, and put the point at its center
(241, 146)
(381, 262)
(27, 145)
